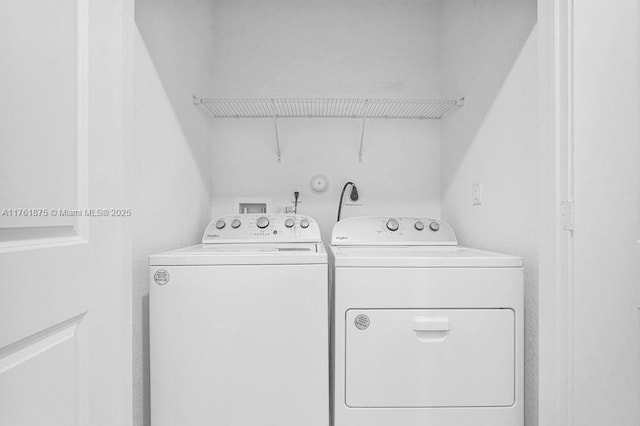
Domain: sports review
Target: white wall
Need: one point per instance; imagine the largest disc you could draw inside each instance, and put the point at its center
(171, 150)
(328, 49)
(489, 56)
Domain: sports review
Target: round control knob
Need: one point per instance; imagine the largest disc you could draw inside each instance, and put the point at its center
(263, 222)
(304, 223)
(289, 222)
(392, 225)
(236, 223)
(419, 225)
(434, 226)
(220, 224)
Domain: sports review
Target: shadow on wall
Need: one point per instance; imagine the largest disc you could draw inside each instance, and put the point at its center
(172, 151)
(483, 43)
(176, 38)
(490, 58)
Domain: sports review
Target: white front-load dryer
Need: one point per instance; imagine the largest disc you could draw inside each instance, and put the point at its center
(425, 332)
(239, 326)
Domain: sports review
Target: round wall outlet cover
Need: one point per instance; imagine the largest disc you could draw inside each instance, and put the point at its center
(319, 184)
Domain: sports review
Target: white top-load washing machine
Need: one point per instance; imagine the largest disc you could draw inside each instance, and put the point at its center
(239, 326)
(425, 332)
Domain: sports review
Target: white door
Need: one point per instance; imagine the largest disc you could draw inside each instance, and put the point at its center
(65, 322)
(606, 261)
(590, 272)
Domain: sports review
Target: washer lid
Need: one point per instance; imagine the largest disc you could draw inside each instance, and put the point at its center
(425, 256)
(392, 231)
(242, 254)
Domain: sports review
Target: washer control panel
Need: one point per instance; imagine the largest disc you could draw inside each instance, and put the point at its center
(400, 231)
(262, 227)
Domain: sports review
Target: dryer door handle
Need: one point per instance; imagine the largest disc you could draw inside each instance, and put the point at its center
(430, 324)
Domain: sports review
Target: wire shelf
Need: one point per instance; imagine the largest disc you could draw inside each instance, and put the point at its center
(328, 108)
(364, 109)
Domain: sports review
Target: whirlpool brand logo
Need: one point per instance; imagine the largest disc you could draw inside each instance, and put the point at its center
(341, 238)
(362, 322)
(161, 277)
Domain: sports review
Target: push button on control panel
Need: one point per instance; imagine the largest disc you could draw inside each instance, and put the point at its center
(262, 222)
(419, 225)
(289, 222)
(434, 226)
(236, 223)
(220, 224)
(392, 225)
(304, 223)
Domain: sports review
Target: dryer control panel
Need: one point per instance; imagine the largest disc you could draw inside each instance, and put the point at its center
(392, 231)
(262, 228)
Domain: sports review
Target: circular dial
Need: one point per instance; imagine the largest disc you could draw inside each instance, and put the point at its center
(304, 223)
(220, 224)
(392, 225)
(236, 223)
(434, 226)
(289, 222)
(263, 222)
(419, 225)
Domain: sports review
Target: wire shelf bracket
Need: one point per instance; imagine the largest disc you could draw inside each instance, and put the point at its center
(364, 123)
(354, 108)
(275, 128)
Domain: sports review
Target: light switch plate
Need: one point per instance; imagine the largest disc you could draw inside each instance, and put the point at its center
(476, 194)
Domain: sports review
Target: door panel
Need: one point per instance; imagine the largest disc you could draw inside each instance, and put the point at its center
(65, 302)
(49, 359)
(42, 113)
(408, 358)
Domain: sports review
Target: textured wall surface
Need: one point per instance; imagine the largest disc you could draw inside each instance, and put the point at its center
(171, 151)
(489, 56)
(328, 49)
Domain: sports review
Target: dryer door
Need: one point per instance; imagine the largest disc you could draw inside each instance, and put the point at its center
(430, 358)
